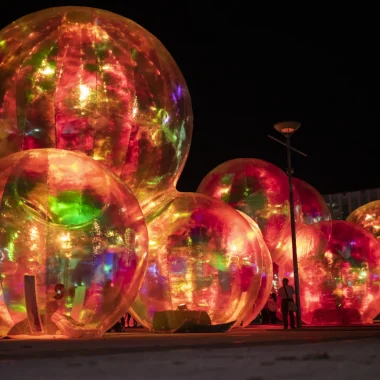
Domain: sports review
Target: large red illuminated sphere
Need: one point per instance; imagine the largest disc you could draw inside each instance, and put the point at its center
(314, 207)
(73, 245)
(91, 81)
(267, 274)
(257, 188)
(368, 217)
(203, 256)
(342, 285)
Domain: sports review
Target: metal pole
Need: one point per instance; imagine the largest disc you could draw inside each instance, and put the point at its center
(293, 228)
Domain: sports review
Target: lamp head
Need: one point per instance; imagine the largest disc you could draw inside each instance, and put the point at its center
(287, 128)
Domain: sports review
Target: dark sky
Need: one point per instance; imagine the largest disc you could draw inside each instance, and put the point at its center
(247, 70)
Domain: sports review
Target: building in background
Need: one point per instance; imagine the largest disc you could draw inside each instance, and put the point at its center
(342, 204)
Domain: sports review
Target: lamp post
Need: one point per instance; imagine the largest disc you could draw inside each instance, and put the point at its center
(287, 128)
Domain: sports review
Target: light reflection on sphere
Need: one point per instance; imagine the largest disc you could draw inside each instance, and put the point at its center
(267, 274)
(314, 207)
(343, 284)
(257, 188)
(204, 255)
(311, 242)
(79, 232)
(368, 217)
(91, 81)
(309, 239)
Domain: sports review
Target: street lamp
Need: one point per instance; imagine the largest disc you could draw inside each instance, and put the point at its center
(288, 128)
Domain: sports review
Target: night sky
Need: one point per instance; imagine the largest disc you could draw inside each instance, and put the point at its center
(247, 70)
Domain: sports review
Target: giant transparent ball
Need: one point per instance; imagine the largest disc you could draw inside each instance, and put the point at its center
(314, 207)
(257, 188)
(73, 245)
(342, 285)
(203, 257)
(311, 242)
(267, 274)
(91, 81)
(368, 217)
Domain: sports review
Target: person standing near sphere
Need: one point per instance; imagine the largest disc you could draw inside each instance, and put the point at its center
(272, 308)
(286, 293)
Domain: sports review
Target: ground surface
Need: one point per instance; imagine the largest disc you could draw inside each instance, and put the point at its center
(251, 354)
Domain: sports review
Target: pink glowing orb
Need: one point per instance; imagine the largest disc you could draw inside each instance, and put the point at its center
(203, 256)
(91, 81)
(314, 207)
(257, 188)
(342, 285)
(73, 245)
(267, 274)
(368, 217)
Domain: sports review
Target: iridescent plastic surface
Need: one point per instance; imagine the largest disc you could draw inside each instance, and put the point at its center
(267, 274)
(73, 245)
(314, 207)
(257, 188)
(311, 241)
(203, 255)
(309, 238)
(342, 285)
(91, 81)
(368, 217)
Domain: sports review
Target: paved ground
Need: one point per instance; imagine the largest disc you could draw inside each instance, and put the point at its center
(140, 340)
(352, 359)
(252, 354)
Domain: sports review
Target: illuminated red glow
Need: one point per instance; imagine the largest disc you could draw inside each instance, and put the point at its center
(342, 284)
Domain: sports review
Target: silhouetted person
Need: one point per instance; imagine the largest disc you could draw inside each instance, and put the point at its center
(265, 315)
(272, 308)
(286, 293)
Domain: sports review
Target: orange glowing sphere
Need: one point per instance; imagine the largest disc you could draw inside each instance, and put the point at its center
(368, 217)
(91, 81)
(203, 256)
(257, 188)
(73, 245)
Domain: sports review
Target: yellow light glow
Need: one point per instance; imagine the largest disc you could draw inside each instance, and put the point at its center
(84, 92)
(47, 70)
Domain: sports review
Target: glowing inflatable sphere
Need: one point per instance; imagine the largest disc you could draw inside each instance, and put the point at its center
(314, 207)
(309, 239)
(91, 81)
(257, 188)
(343, 284)
(203, 257)
(73, 245)
(368, 217)
(267, 274)
(311, 242)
